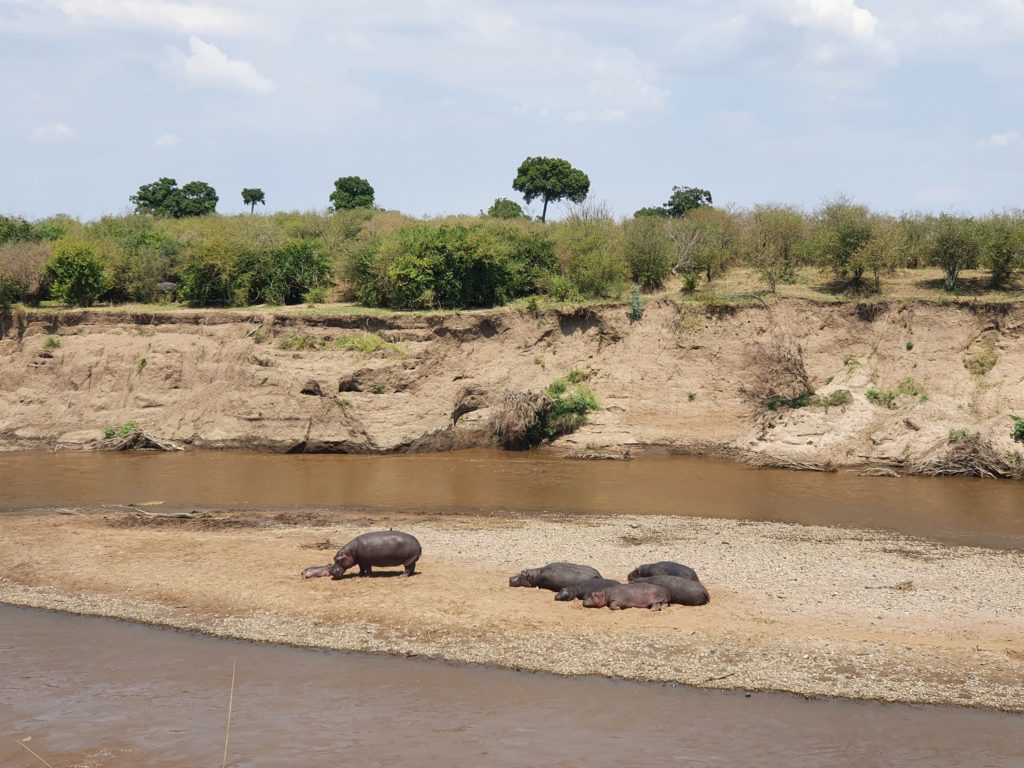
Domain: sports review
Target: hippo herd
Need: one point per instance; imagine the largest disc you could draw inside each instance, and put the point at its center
(653, 585)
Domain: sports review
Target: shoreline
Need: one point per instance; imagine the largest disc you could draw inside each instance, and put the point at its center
(876, 619)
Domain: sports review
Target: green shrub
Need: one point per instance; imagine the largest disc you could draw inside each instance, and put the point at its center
(1018, 429)
(367, 343)
(834, 399)
(444, 265)
(954, 246)
(301, 342)
(982, 360)
(648, 251)
(570, 404)
(378, 389)
(76, 273)
(14, 230)
(956, 434)
(887, 397)
(636, 303)
(590, 258)
(52, 342)
(123, 431)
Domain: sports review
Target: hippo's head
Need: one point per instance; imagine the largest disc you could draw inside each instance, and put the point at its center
(566, 593)
(342, 562)
(522, 579)
(596, 599)
(634, 574)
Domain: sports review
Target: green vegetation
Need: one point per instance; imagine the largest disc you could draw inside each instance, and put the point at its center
(680, 202)
(834, 399)
(570, 404)
(887, 397)
(503, 208)
(251, 196)
(123, 431)
(1018, 429)
(76, 273)
(367, 343)
(551, 179)
(164, 198)
(52, 342)
(982, 360)
(636, 304)
(378, 389)
(351, 192)
(956, 434)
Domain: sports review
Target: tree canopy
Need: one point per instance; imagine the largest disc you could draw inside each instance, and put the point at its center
(551, 179)
(163, 197)
(685, 199)
(351, 192)
(503, 208)
(253, 195)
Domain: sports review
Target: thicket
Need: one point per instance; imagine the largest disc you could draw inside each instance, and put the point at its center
(382, 258)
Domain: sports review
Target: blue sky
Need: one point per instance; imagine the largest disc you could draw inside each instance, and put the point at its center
(901, 104)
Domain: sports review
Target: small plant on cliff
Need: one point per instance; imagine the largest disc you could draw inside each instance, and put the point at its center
(528, 418)
(1018, 429)
(981, 361)
(956, 434)
(301, 342)
(636, 304)
(125, 429)
(834, 399)
(367, 343)
(887, 397)
(52, 342)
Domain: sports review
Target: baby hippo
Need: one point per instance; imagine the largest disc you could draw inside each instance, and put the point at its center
(554, 576)
(663, 568)
(682, 591)
(650, 596)
(582, 590)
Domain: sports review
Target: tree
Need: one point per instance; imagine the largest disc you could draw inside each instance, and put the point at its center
(772, 240)
(76, 274)
(251, 196)
(1002, 247)
(164, 198)
(351, 192)
(846, 231)
(954, 246)
(648, 251)
(551, 179)
(503, 208)
(685, 199)
(651, 211)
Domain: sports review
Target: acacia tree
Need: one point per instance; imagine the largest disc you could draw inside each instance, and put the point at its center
(846, 232)
(503, 208)
(551, 179)
(954, 246)
(685, 199)
(251, 196)
(351, 192)
(163, 197)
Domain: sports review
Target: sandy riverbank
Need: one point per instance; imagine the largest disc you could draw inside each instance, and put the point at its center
(812, 610)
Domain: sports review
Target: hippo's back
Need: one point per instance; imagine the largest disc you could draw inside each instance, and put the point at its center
(383, 548)
(683, 591)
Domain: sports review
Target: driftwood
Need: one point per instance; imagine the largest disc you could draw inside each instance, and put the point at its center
(136, 440)
(973, 456)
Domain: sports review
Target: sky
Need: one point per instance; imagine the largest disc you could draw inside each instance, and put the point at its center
(902, 105)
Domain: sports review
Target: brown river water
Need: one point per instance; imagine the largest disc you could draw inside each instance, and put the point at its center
(95, 692)
(986, 513)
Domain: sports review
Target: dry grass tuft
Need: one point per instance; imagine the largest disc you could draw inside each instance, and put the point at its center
(973, 456)
(779, 378)
(519, 414)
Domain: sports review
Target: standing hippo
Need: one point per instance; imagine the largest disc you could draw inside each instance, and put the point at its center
(382, 548)
(582, 590)
(683, 591)
(650, 596)
(663, 568)
(554, 576)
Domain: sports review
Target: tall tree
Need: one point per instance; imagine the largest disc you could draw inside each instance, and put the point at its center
(351, 192)
(551, 179)
(685, 199)
(164, 198)
(503, 208)
(251, 196)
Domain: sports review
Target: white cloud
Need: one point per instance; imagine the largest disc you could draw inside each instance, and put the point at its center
(166, 140)
(208, 65)
(53, 133)
(999, 140)
(161, 14)
(843, 16)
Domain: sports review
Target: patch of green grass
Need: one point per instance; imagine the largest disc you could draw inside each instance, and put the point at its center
(834, 399)
(1018, 429)
(52, 342)
(575, 376)
(907, 387)
(981, 361)
(301, 342)
(378, 389)
(126, 429)
(367, 343)
(344, 402)
(557, 388)
(142, 365)
(956, 434)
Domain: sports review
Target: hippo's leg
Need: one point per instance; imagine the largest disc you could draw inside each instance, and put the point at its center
(657, 606)
(615, 606)
(365, 570)
(410, 567)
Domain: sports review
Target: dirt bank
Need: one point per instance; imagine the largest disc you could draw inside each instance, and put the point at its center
(881, 617)
(679, 380)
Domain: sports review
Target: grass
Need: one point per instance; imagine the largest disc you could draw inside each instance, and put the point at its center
(908, 387)
(126, 429)
(981, 361)
(360, 341)
(52, 342)
(956, 434)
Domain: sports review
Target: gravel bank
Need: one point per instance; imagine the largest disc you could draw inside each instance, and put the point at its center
(812, 610)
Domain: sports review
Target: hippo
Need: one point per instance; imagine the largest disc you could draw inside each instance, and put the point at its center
(554, 576)
(584, 588)
(651, 596)
(383, 548)
(663, 568)
(683, 591)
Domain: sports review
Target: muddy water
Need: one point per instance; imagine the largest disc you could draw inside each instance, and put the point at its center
(102, 693)
(962, 511)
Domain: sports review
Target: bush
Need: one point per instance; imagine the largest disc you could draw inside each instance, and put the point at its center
(774, 239)
(23, 272)
(76, 273)
(1002, 247)
(648, 251)
(636, 304)
(1018, 429)
(14, 230)
(954, 247)
(590, 258)
(139, 253)
(503, 208)
(846, 231)
(428, 265)
(887, 397)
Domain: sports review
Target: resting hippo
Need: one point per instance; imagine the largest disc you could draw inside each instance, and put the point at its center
(584, 588)
(683, 591)
(650, 596)
(663, 568)
(384, 548)
(554, 576)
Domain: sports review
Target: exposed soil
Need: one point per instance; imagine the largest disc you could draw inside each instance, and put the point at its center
(686, 378)
(879, 616)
